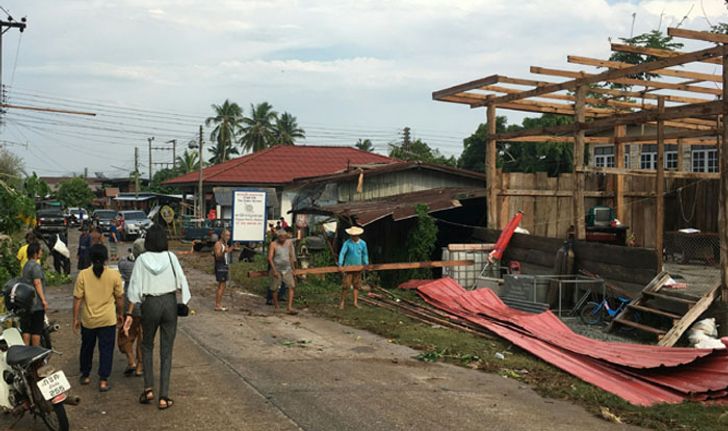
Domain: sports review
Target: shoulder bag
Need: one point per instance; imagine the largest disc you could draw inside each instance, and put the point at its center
(182, 309)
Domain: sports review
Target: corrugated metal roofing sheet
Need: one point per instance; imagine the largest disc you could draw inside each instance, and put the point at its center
(640, 374)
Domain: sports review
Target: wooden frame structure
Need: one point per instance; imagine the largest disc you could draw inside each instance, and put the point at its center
(692, 104)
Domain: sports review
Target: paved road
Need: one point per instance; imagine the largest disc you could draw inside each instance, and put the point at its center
(251, 369)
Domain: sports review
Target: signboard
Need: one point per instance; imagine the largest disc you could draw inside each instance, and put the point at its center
(249, 216)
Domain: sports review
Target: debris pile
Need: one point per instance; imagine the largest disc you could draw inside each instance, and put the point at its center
(642, 375)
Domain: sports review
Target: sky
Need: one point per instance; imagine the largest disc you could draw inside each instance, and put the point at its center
(345, 69)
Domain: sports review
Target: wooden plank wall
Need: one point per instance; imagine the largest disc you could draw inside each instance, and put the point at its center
(551, 216)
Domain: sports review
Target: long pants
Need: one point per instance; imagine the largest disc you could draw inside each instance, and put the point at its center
(158, 312)
(106, 336)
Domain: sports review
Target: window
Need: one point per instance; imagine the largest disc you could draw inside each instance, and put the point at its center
(648, 157)
(626, 156)
(604, 157)
(704, 159)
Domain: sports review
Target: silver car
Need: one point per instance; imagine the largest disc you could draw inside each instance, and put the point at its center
(133, 223)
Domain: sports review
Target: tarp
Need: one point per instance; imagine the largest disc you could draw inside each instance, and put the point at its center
(640, 374)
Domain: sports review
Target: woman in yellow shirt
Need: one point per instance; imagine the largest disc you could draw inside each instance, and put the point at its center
(99, 290)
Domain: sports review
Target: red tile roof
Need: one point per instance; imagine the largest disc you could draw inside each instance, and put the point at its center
(281, 164)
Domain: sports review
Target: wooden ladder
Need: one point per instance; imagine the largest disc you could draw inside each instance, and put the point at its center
(680, 322)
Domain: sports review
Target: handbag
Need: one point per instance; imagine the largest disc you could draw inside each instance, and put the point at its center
(182, 309)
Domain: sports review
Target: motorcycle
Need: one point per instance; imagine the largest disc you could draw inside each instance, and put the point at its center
(27, 381)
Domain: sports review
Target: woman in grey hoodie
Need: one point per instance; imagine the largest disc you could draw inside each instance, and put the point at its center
(154, 283)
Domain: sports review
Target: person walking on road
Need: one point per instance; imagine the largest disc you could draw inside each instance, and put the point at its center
(154, 282)
(22, 254)
(33, 324)
(128, 342)
(282, 260)
(84, 246)
(99, 289)
(221, 253)
(353, 253)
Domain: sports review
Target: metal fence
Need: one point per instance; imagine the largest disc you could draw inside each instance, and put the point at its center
(695, 248)
(564, 294)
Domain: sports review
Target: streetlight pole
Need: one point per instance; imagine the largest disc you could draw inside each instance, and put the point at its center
(200, 189)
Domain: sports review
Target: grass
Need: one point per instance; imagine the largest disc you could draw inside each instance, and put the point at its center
(321, 295)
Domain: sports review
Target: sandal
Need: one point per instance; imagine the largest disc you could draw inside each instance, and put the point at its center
(104, 388)
(221, 309)
(129, 371)
(146, 397)
(167, 403)
(85, 380)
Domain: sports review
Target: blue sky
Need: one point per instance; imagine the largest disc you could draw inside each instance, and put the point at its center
(346, 69)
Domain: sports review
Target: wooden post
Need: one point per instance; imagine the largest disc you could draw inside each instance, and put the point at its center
(660, 187)
(723, 200)
(579, 213)
(619, 131)
(491, 170)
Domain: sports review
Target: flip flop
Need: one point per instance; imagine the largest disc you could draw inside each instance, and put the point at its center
(106, 388)
(292, 312)
(129, 371)
(219, 309)
(85, 380)
(167, 401)
(144, 397)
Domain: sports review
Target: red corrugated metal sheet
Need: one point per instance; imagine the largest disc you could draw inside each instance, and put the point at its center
(640, 374)
(282, 164)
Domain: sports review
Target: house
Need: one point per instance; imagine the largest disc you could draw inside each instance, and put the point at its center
(275, 168)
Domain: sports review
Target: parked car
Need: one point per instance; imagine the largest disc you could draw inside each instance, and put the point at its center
(133, 224)
(104, 218)
(203, 233)
(51, 221)
(77, 216)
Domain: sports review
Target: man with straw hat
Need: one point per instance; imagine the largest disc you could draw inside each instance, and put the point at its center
(353, 253)
(282, 259)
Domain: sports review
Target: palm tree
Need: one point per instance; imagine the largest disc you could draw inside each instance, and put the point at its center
(218, 152)
(287, 130)
(227, 119)
(365, 145)
(188, 162)
(258, 129)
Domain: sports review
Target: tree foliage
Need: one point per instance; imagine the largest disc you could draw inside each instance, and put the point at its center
(75, 192)
(161, 176)
(419, 151)
(36, 187)
(287, 130)
(651, 39)
(365, 145)
(227, 120)
(421, 241)
(258, 130)
(188, 162)
(11, 168)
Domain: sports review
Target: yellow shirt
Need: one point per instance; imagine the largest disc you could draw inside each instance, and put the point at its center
(22, 256)
(99, 297)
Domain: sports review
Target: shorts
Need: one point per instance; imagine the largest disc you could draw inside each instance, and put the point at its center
(286, 277)
(222, 273)
(33, 324)
(352, 279)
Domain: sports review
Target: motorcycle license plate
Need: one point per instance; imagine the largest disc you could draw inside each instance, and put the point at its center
(54, 385)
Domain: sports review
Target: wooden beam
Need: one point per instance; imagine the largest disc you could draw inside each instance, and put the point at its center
(645, 95)
(697, 35)
(671, 135)
(656, 52)
(568, 193)
(579, 212)
(682, 325)
(613, 74)
(641, 117)
(621, 211)
(660, 189)
(564, 138)
(626, 81)
(43, 109)
(491, 167)
(488, 80)
(651, 173)
(587, 61)
(374, 267)
(723, 194)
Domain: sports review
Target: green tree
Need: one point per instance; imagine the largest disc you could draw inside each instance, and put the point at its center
(287, 130)
(15, 207)
(216, 154)
(365, 145)
(36, 187)
(258, 130)
(419, 151)
(651, 39)
(188, 162)
(227, 120)
(473, 156)
(75, 192)
(11, 168)
(161, 176)
(421, 241)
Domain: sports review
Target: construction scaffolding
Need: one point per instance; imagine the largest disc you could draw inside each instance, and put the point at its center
(690, 104)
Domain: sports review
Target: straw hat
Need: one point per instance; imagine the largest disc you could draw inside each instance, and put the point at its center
(355, 231)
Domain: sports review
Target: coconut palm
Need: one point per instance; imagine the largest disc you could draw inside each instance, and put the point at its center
(221, 153)
(287, 130)
(227, 120)
(188, 162)
(365, 145)
(258, 131)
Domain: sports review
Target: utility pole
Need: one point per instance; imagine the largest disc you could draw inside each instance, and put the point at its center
(4, 27)
(85, 172)
(406, 140)
(174, 152)
(150, 158)
(136, 172)
(200, 189)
